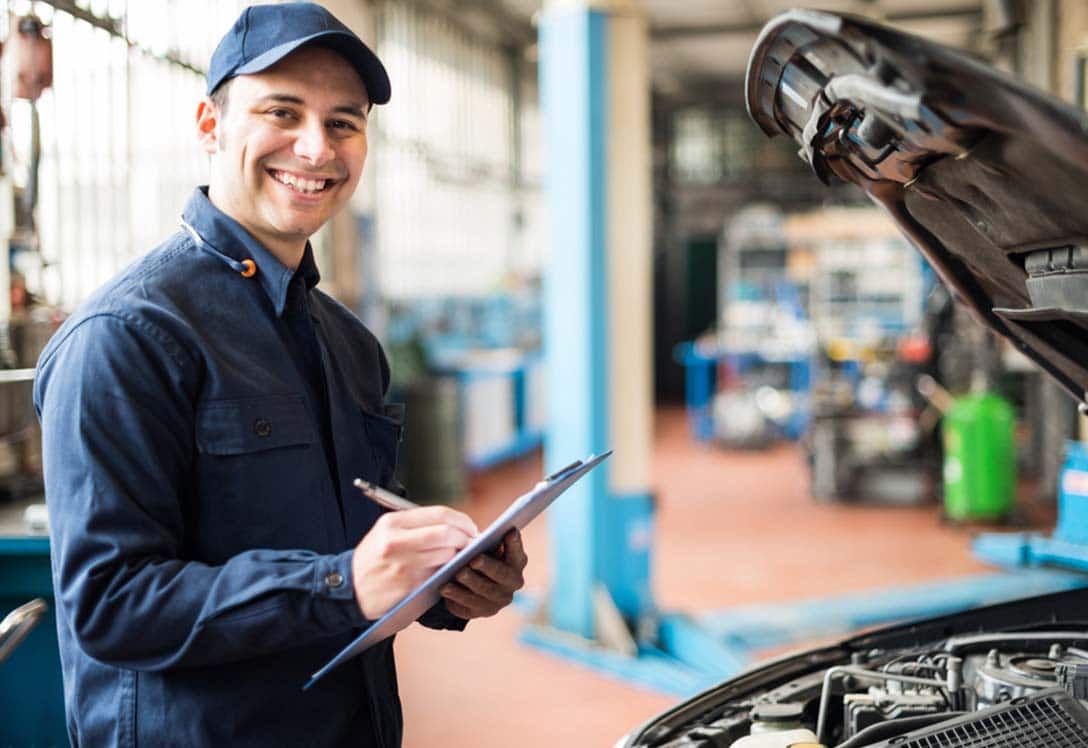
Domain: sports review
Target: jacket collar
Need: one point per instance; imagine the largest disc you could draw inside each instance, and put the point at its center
(228, 237)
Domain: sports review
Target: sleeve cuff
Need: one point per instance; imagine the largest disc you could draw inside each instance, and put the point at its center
(438, 617)
(333, 589)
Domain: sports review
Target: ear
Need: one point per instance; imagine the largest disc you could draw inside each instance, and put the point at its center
(207, 125)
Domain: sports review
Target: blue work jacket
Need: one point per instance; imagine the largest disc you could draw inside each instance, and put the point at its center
(202, 517)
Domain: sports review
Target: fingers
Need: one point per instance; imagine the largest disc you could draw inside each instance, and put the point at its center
(514, 550)
(466, 604)
(428, 538)
(459, 610)
(484, 586)
(432, 515)
(407, 546)
(488, 584)
(503, 573)
(401, 550)
(428, 561)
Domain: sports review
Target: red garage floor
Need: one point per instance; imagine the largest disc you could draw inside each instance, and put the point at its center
(732, 528)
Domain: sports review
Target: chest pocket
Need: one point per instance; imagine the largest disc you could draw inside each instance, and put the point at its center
(262, 480)
(236, 427)
(383, 433)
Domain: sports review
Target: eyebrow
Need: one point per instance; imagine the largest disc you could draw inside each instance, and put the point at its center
(357, 110)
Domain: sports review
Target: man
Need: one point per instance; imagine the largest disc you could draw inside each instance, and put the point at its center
(204, 415)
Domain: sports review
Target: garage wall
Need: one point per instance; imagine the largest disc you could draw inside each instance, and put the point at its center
(118, 151)
(451, 159)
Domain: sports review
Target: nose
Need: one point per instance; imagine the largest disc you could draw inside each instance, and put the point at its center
(313, 144)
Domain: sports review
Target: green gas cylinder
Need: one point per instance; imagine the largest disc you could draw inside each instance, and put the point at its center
(979, 457)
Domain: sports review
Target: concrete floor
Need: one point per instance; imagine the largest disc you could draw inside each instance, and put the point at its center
(733, 528)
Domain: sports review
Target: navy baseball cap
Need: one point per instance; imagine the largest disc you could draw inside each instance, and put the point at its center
(265, 34)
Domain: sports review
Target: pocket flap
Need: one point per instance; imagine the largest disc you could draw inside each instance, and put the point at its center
(231, 427)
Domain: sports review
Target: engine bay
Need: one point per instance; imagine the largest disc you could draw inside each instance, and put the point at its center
(1022, 688)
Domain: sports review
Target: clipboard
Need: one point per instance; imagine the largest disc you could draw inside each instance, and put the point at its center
(520, 513)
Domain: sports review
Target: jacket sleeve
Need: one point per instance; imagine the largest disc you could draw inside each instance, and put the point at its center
(438, 617)
(116, 401)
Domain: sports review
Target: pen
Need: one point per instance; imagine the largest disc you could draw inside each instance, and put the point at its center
(383, 498)
(390, 500)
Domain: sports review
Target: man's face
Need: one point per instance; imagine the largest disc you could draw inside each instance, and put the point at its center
(289, 148)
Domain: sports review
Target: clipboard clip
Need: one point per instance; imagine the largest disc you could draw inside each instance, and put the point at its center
(563, 471)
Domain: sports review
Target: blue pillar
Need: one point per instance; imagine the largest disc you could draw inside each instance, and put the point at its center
(597, 305)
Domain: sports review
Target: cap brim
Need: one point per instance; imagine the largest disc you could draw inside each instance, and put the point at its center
(365, 62)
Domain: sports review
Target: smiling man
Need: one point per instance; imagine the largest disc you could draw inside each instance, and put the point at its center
(287, 146)
(204, 415)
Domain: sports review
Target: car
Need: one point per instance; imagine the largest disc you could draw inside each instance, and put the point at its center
(1006, 675)
(988, 179)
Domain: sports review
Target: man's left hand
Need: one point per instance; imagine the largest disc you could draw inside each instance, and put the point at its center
(488, 583)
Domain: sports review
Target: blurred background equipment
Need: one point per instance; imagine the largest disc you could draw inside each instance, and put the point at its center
(868, 290)
(31, 51)
(821, 333)
(17, 624)
(748, 375)
(979, 457)
(764, 336)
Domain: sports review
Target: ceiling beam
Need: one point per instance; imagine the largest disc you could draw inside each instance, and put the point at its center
(666, 33)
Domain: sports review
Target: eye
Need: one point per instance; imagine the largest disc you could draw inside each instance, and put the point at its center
(344, 125)
(280, 113)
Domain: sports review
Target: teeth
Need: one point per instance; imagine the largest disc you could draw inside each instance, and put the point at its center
(300, 185)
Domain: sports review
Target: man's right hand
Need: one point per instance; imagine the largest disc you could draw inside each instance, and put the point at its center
(402, 550)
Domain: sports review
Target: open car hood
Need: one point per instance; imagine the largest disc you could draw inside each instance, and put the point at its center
(985, 175)
(991, 644)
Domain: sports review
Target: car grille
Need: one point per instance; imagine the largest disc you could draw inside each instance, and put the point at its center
(1048, 719)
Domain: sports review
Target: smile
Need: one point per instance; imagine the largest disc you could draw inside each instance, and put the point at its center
(300, 184)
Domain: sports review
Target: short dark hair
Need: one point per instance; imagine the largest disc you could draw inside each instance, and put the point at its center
(221, 95)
